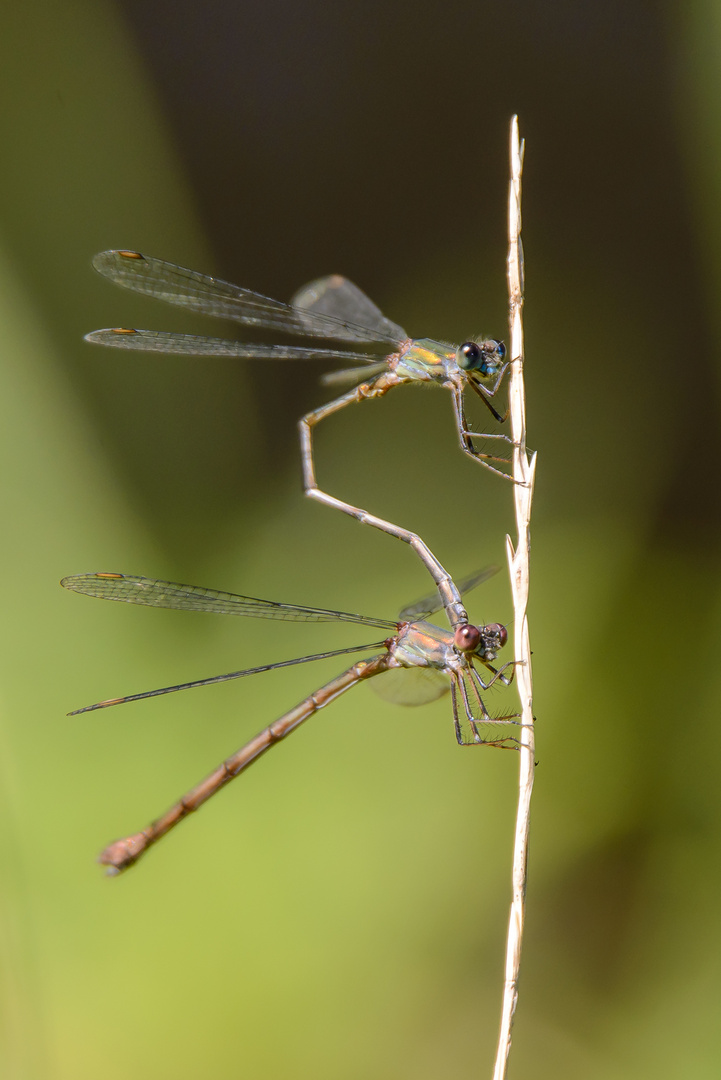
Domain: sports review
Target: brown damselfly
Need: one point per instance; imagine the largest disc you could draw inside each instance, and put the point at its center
(423, 659)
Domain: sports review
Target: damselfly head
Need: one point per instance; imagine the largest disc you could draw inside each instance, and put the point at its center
(483, 358)
(483, 641)
(497, 632)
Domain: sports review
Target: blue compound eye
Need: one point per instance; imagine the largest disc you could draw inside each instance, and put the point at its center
(493, 357)
(485, 359)
(469, 356)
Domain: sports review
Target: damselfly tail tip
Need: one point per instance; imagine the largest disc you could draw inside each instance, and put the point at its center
(122, 854)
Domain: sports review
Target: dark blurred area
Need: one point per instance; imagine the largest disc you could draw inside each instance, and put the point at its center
(370, 134)
(369, 139)
(270, 144)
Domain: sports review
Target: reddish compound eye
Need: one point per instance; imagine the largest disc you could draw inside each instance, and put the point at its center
(467, 638)
(499, 631)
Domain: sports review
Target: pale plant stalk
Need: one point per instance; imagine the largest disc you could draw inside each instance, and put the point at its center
(523, 473)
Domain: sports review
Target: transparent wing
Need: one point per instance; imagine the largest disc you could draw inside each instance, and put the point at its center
(169, 594)
(428, 605)
(199, 345)
(340, 298)
(213, 296)
(411, 686)
(350, 375)
(220, 678)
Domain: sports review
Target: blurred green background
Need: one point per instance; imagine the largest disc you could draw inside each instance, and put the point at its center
(341, 910)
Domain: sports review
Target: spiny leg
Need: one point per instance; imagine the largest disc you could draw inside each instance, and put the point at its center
(466, 437)
(485, 718)
(478, 684)
(497, 673)
(484, 395)
(452, 602)
(456, 722)
(468, 709)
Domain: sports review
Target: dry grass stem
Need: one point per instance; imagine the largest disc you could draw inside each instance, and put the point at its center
(523, 473)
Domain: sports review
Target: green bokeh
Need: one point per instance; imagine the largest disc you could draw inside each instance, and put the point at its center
(340, 912)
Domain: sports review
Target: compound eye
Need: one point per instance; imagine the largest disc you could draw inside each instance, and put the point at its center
(500, 349)
(467, 638)
(498, 631)
(468, 355)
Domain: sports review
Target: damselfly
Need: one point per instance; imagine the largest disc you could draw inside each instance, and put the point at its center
(424, 661)
(330, 309)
